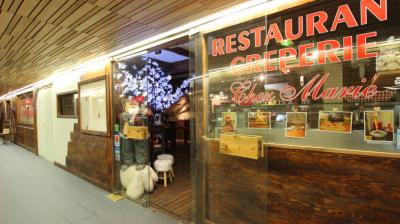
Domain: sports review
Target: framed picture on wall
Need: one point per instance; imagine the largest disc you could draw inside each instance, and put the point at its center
(93, 104)
(378, 126)
(259, 119)
(229, 121)
(335, 121)
(296, 123)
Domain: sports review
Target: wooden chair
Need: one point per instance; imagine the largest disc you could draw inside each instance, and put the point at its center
(6, 132)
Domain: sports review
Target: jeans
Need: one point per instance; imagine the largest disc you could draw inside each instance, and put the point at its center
(135, 151)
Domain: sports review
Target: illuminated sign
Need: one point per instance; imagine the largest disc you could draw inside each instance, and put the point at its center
(243, 92)
(310, 25)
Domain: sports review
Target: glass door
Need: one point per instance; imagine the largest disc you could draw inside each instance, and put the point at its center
(229, 129)
(134, 177)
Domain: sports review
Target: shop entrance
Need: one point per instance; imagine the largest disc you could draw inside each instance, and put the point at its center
(152, 128)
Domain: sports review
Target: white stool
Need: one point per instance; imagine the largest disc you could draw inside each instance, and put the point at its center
(164, 167)
(168, 157)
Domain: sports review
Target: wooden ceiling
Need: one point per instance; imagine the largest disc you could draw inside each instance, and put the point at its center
(40, 36)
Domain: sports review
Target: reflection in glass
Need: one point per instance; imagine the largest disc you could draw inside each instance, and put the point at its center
(93, 106)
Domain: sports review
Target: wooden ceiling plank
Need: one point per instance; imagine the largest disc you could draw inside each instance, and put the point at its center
(145, 6)
(92, 20)
(61, 11)
(50, 10)
(61, 33)
(102, 23)
(39, 8)
(74, 16)
(15, 6)
(56, 38)
(4, 40)
(39, 45)
(86, 43)
(5, 18)
(75, 40)
(170, 13)
(6, 5)
(27, 7)
(66, 38)
(34, 29)
(31, 27)
(154, 9)
(47, 27)
(107, 4)
(131, 7)
(123, 31)
(21, 26)
(112, 26)
(12, 24)
(51, 33)
(121, 5)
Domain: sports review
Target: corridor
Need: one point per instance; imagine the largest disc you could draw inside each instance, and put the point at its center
(34, 191)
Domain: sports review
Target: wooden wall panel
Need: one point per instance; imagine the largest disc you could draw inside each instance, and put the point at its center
(26, 137)
(90, 154)
(236, 188)
(302, 186)
(90, 157)
(327, 188)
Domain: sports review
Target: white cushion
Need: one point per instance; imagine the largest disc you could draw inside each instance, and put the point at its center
(163, 165)
(166, 157)
(157, 146)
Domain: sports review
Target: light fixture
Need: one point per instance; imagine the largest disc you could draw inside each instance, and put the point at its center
(128, 55)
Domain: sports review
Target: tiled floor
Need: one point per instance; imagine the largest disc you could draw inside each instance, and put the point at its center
(34, 191)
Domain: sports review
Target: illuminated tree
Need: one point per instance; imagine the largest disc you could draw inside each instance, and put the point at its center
(152, 82)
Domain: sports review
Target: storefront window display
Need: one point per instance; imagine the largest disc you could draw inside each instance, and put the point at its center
(321, 76)
(143, 90)
(319, 71)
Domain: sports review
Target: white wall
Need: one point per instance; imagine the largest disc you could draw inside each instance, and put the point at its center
(62, 126)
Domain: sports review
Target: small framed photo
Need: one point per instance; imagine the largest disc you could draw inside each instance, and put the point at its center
(335, 121)
(259, 119)
(296, 125)
(378, 126)
(229, 121)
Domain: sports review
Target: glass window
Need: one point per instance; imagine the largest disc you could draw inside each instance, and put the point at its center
(333, 84)
(93, 106)
(25, 109)
(66, 104)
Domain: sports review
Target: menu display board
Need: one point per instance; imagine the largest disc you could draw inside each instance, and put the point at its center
(296, 123)
(259, 119)
(379, 126)
(335, 121)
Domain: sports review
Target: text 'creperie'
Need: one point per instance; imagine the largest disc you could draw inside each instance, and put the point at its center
(310, 25)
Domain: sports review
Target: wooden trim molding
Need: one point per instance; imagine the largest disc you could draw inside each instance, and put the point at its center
(59, 115)
(108, 103)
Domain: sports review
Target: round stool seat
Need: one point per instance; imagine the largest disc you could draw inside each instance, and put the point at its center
(163, 165)
(166, 157)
